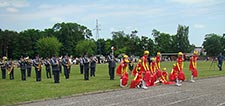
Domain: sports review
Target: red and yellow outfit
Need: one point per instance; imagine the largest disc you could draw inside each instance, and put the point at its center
(174, 73)
(158, 59)
(122, 71)
(180, 66)
(193, 65)
(137, 75)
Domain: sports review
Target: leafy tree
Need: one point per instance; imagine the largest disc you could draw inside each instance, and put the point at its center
(212, 44)
(48, 46)
(70, 34)
(86, 46)
(27, 42)
(181, 41)
(8, 43)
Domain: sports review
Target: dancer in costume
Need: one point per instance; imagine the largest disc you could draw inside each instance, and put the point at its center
(122, 71)
(193, 66)
(180, 65)
(145, 69)
(137, 82)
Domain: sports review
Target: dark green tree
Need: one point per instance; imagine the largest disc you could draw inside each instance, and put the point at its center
(213, 45)
(69, 34)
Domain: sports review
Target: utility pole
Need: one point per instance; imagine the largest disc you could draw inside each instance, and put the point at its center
(97, 30)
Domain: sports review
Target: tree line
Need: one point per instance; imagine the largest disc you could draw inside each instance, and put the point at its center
(75, 39)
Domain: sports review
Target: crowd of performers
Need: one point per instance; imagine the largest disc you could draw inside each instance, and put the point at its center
(146, 75)
(53, 66)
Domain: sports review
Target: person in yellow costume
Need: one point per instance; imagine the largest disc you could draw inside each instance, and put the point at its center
(193, 66)
(122, 71)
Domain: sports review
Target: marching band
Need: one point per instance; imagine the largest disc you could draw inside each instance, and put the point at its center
(145, 73)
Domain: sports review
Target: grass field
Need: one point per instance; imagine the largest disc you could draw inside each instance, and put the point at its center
(14, 91)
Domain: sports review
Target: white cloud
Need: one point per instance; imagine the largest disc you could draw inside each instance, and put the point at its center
(4, 3)
(199, 26)
(14, 3)
(13, 10)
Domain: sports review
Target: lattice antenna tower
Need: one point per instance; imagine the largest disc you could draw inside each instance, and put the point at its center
(97, 29)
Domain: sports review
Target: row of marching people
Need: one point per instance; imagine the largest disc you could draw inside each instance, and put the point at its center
(146, 75)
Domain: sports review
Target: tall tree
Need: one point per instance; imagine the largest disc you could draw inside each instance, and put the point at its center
(70, 34)
(212, 44)
(8, 43)
(27, 42)
(181, 41)
(86, 46)
(48, 46)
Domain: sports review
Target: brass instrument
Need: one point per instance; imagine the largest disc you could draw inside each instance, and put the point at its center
(11, 68)
(39, 65)
(68, 64)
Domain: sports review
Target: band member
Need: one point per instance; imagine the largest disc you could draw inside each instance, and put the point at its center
(3, 67)
(55, 68)
(145, 69)
(158, 59)
(131, 64)
(48, 68)
(37, 63)
(94, 60)
(60, 64)
(111, 65)
(122, 71)
(86, 67)
(81, 65)
(180, 66)
(29, 66)
(66, 66)
(22, 65)
(193, 66)
(10, 66)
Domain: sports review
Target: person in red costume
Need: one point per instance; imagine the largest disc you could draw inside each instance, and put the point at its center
(158, 59)
(164, 79)
(145, 69)
(173, 74)
(193, 66)
(122, 71)
(138, 80)
(180, 65)
(155, 73)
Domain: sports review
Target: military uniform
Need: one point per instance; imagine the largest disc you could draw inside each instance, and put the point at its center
(55, 69)
(37, 65)
(86, 67)
(3, 68)
(66, 66)
(81, 65)
(29, 68)
(10, 67)
(93, 65)
(22, 65)
(48, 68)
(112, 65)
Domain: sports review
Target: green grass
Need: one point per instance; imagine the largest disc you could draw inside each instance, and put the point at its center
(15, 91)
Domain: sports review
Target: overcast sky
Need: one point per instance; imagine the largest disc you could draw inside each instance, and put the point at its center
(202, 16)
